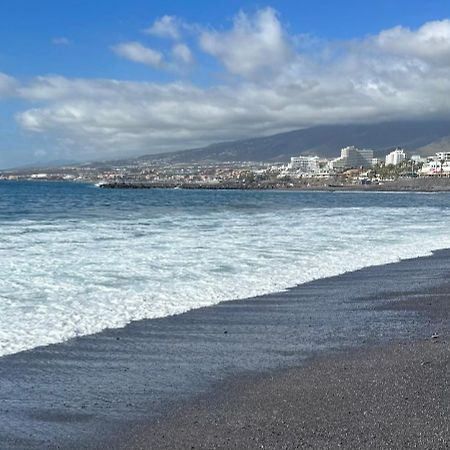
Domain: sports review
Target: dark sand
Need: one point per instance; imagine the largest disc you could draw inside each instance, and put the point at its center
(391, 396)
(394, 397)
(347, 359)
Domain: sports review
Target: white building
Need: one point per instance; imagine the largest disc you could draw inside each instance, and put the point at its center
(304, 164)
(416, 159)
(443, 156)
(352, 157)
(395, 157)
(437, 165)
(376, 161)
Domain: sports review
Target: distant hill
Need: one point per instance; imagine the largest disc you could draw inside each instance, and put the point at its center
(425, 137)
(47, 164)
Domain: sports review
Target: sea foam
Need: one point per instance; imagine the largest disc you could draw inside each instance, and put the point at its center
(77, 274)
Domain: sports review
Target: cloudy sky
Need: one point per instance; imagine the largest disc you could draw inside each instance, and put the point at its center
(84, 80)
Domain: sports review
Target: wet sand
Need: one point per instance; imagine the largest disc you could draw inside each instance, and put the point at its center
(345, 359)
(390, 396)
(397, 396)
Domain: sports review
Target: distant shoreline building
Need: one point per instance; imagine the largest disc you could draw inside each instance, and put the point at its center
(376, 161)
(396, 157)
(352, 158)
(304, 164)
(443, 156)
(437, 165)
(418, 159)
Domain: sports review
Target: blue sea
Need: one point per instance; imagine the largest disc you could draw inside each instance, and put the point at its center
(76, 259)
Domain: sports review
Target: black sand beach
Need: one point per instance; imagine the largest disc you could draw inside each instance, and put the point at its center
(346, 361)
(392, 397)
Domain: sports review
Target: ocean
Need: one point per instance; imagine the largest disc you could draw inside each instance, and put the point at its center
(76, 259)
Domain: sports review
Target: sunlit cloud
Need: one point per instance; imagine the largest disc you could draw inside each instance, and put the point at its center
(166, 27)
(253, 43)
(276, 82)
(182, 53)
(136, 52)
(8, 85)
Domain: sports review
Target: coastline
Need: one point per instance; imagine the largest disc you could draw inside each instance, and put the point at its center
(391, 395)
(416, 185)
(428, 184)
(112, 388)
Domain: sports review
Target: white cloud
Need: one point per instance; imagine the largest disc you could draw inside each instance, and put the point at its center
(182, 53)
(134, 51)
(376, 78)
(166, 27)
(254, 43)
(431, 42)
(8, 85)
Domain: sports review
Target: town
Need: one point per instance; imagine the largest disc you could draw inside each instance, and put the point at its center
(355, 167)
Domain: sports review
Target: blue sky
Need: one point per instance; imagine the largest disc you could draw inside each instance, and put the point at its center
(27, 27)
(85, 80)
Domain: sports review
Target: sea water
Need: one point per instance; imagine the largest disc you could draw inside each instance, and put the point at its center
(76, 259)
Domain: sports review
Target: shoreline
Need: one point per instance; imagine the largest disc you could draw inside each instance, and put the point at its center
(389, 395)
(429, 184)
(418, 185)
(91, 391)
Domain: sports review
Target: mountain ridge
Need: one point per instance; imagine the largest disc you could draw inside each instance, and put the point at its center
(421, 137)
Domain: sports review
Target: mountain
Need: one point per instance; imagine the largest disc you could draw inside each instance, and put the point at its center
(424, 137)
(46, 164)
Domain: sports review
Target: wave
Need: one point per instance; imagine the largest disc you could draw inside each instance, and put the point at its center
(68, 278)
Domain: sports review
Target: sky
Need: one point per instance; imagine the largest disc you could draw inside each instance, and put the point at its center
(83, 80)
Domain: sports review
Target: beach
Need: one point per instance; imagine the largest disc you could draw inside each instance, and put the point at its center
(392, 397)
(274, 371)
(224, 225)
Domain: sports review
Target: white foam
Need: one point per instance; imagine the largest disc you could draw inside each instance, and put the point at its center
(67, 278)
